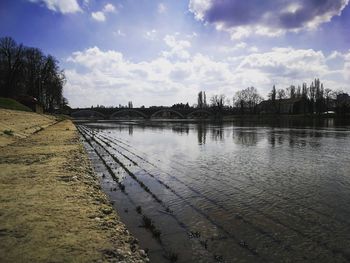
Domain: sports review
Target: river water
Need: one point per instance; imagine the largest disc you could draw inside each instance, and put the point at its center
(228, 192)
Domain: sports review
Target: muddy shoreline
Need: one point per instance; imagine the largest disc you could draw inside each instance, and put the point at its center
(52, 206)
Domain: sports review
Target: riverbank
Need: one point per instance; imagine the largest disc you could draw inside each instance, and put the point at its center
(328, 120)
(52, 208)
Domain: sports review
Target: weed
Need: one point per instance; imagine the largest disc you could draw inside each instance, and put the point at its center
(204, 243)
(8, 132)
(172, 256)
(218, 258)
(194, 234)
(40, 129)
(147, 222)
(156, 233)
(168, 210)
(242, 243)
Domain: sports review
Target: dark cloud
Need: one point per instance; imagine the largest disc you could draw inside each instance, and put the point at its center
(236, 13)
(309, 11)
(272, 14)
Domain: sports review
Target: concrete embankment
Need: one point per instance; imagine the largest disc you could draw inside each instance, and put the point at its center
(51, 206)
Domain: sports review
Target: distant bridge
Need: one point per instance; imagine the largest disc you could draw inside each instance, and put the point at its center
(143, 113)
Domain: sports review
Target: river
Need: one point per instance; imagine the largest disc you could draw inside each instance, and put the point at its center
(228, 191)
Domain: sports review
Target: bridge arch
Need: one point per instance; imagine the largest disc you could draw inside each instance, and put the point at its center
(87, 114)
(129, 111)
(168, 110)
(200, 111)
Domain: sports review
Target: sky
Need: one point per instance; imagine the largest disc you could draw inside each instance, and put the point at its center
(161, 52)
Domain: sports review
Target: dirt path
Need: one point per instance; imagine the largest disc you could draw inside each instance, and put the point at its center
(51, 205)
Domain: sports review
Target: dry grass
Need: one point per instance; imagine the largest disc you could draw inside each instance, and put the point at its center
(51, 206)
(15, 125)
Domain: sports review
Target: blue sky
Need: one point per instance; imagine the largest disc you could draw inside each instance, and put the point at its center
(163, 52)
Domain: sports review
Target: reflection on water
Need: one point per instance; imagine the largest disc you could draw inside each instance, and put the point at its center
(231, 192)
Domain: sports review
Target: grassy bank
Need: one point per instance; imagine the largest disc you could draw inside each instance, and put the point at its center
(11, 104)
(52, 208)
(16, 125)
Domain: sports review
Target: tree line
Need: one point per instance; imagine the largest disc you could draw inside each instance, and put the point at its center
(246, 100)
(27, 71)
(312, 99)
(315, 98)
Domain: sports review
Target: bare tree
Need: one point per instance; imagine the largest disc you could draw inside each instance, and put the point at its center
(27, 71)
(34, 62)
(218, 101)
(247, 99)
(291, 92)
(51, 86)
(239, 100)
(298, 93)
(272, 94)
(328, 95)
(11, 66)
(281, 94)
(200, 100)
(304, 91)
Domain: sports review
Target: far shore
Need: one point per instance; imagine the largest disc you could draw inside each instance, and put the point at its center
(267, 118)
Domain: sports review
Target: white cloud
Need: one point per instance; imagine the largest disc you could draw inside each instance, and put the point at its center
(298, 63)
(151, 34)
(107, 77)
(334, 55)
(162, 8)
(62, 6)
(199, 7)
(86, 3)
(347, 66)
(193, 35)
(109, 8)
(119, 33)
(236, 47)
(98, 16)
(253, 49)
(178, 48)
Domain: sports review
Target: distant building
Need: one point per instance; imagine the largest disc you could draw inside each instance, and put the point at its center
(267, 107)
(284, 106)
(343, 104)
(343, 98)
(31, 103)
